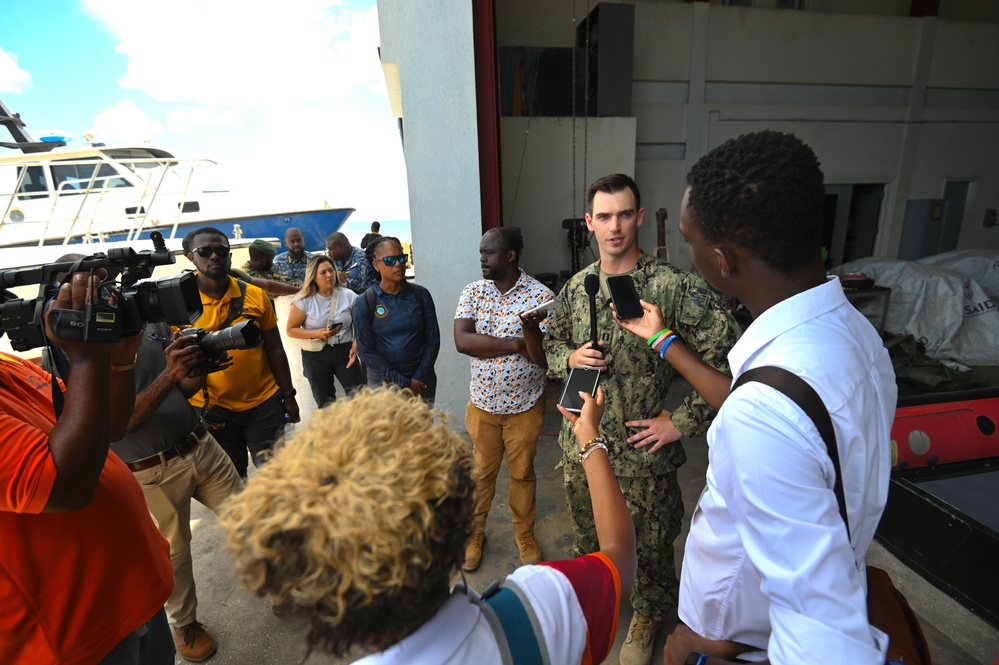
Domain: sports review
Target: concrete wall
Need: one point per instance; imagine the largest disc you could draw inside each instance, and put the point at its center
(537, 179)
(437, 87)
(882, 97)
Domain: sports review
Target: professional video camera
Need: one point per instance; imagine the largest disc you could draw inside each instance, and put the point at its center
(122, 306)
(243, 335)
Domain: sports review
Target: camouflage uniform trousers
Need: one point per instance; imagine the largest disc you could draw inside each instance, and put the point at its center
(656, 505)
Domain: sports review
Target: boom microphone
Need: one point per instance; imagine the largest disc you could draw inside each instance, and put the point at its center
(592, 284)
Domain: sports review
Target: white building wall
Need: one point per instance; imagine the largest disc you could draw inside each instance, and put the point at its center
(537, 176)
(882, 97)
(437, 87)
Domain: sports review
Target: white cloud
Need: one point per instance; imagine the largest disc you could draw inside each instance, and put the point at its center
(360, 168)
(289, 97)
(245, 53)
(182, 118)
(12, 77)
(125, 123)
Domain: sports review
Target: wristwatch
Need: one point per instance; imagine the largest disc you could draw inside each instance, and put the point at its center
(289, 393)
(694, 658)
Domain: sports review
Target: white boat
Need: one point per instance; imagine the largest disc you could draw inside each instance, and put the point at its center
(53, 194)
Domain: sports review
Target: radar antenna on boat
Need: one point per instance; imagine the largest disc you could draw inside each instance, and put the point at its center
(23, 140)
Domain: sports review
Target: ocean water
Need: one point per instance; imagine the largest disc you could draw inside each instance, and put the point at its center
(356, 230)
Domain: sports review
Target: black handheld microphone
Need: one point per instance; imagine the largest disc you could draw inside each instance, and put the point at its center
(592, 285)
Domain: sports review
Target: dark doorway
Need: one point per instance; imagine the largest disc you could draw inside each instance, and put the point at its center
(850, 229)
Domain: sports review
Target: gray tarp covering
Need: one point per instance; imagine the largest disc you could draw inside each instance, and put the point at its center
(981, 265)
(946, 311)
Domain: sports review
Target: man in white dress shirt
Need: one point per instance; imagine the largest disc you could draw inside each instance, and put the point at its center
(769, 570)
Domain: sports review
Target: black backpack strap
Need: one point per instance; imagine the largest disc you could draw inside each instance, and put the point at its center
(798, 391)
(369, 295)
(517, 630)
(421, 294)
(236, 305)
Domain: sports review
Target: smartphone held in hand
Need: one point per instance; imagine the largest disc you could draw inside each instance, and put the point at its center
(547, 307)
(625, 297)
(581, 379)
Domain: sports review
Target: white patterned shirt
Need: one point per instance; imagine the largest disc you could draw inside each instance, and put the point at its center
(510, 383)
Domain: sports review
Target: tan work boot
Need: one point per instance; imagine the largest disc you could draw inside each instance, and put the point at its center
(637, 648)
(473, 552)
(529, 550)
(193, 642)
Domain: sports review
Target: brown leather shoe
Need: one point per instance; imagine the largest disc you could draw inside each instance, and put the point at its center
(473, 552)
(194, 643)
(529, 551)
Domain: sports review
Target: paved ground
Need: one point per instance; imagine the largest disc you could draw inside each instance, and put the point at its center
(248, 634)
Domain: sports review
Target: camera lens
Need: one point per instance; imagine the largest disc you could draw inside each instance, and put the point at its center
(243, 335)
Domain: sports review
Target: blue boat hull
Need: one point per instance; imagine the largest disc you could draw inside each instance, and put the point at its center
(316, 225)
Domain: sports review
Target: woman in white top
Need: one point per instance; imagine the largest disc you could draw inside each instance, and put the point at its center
(322, 317)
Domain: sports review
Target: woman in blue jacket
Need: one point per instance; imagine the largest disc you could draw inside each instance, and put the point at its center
(396, 324)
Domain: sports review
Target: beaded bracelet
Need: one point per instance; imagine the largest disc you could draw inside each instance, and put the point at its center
(662, 351)
(593, 442)
(589, 451)
(655, 338)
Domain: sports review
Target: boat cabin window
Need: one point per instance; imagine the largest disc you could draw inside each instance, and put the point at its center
(34, 184)
(74, 178)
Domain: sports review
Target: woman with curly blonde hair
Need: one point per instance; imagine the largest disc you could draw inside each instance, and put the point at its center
(358, 523)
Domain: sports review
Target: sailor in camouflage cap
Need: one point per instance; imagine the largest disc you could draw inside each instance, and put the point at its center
(644, 438)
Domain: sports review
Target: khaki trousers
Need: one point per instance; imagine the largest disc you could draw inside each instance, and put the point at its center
(207, 474)
(514, 435)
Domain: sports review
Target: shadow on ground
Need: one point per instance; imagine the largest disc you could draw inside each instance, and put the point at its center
(249, 634)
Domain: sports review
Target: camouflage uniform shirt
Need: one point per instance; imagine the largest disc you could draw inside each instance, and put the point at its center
(636, 381)
(265, 274)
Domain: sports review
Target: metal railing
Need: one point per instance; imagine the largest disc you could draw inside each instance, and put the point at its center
(89, 210)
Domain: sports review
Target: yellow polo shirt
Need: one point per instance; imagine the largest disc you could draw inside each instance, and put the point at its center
(249, 382)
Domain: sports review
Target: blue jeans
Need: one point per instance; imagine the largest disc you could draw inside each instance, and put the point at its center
(151, 644)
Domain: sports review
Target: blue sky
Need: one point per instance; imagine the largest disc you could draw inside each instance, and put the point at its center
(287, 97)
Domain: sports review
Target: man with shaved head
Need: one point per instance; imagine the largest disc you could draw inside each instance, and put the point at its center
(292, 263)
(350, 263)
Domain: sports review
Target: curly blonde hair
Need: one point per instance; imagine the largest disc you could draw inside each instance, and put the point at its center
(358, 522)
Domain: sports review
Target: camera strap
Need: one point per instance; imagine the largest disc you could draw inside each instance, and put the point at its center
(235, 311)
(60, 372)
(235, 306)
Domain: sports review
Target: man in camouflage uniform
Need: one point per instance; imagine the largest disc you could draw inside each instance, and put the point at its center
(261, 263)
(642, 436)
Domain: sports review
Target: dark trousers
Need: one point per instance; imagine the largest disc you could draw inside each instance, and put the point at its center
(151, 644)
(376, 380)
(320, 367)
(256, 429)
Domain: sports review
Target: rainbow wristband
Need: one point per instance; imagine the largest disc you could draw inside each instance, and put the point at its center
(662, 351)
(655, 338)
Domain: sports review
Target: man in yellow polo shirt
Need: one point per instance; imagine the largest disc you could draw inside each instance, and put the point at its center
(251, 401)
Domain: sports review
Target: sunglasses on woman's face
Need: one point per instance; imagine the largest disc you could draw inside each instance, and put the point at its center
(205, 252)
(392, 260)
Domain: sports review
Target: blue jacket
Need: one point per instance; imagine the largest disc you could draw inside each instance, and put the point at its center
(400, 339)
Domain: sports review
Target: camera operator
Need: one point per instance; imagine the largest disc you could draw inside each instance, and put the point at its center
(176, 459)
(249, 401)
(66, 503)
